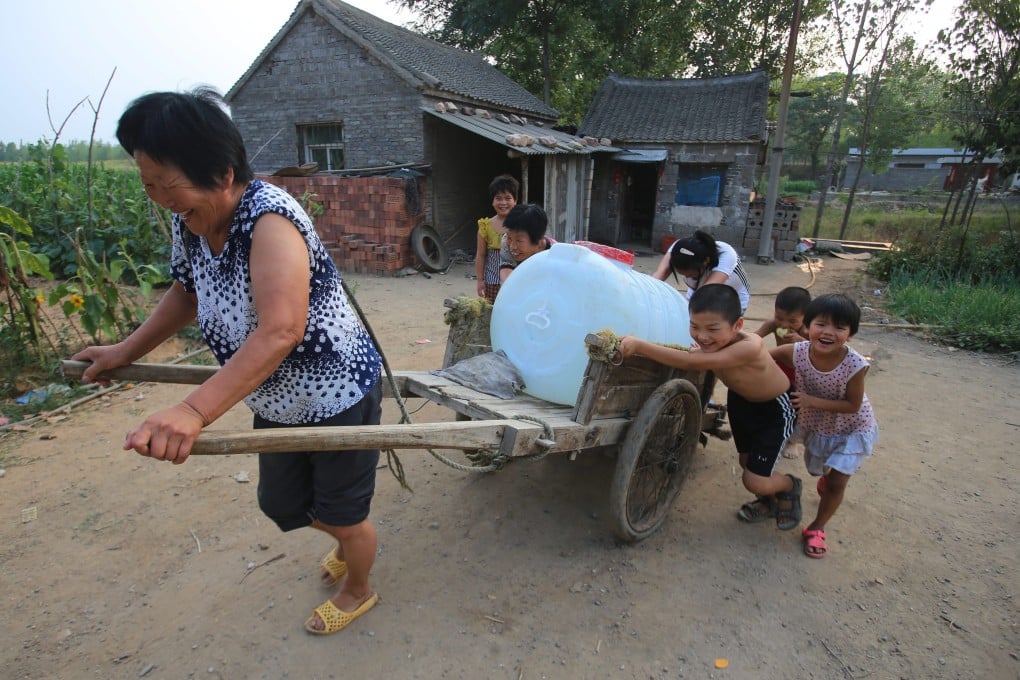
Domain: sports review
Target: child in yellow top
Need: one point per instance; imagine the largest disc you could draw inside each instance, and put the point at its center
(503, 194)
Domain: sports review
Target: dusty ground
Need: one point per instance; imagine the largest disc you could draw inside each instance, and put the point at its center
(134, 568)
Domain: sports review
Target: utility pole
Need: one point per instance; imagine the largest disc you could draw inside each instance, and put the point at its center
(776, 157)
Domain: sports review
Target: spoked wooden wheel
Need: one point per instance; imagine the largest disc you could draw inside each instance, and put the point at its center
(654, 459)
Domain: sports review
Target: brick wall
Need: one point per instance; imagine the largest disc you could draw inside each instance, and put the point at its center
(366, 222)
(785, 228)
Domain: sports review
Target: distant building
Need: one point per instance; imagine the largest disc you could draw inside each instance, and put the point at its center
(692, 149)
(342, 88)
(935, 169)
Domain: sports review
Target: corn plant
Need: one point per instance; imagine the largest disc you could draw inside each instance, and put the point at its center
(20, 305)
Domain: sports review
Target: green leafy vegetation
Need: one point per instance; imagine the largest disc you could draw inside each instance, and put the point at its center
(76, 151)
(99, 207)
(978, 316)
(81, 249)
(966, 283)
(802, 187)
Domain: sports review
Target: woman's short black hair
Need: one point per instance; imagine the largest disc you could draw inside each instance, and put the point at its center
(838, 308)
(502, 183)
(190, 130)
(529, 218)
(692, 252)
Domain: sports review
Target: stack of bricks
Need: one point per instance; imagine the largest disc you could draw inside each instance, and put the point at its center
(366, 222)
(785, 226)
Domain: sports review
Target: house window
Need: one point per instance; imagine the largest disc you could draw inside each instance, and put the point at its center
(322, 144)
(908, 165)
(700, 184)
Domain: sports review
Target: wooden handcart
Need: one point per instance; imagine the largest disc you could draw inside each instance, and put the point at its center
(654, 416)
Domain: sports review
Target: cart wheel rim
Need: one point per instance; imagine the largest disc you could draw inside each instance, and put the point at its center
(655, 457)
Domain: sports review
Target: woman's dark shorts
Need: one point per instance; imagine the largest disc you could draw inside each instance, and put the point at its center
(335, 487)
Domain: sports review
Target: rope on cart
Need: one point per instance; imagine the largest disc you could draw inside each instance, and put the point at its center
(392, 460)
(480, 455)
(550, 434)
(608, 351)
(468, 312)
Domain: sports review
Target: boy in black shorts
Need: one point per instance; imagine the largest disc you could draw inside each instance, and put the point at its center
(758, 403)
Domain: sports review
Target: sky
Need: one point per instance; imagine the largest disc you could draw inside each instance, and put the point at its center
(66, 50)
(63, 51)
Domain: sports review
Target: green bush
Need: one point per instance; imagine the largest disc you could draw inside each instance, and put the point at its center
(802, 187)
(965, 282)
(984, 316)
(954, 256)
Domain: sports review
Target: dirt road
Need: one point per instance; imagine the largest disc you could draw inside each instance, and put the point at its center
(115, 566)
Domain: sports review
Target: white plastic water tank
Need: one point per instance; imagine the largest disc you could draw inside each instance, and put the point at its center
(556, 297)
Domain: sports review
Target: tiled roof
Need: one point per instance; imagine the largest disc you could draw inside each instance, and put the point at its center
(727, 109)
(507, 133)
(429, 64)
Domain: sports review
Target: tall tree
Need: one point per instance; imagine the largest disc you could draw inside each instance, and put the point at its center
(849, 22)
(565, 48)
(813, 117)
(905, 108)
(983, 50)
(891, 19)
(743, 35)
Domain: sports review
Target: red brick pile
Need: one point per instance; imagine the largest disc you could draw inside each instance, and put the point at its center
(366, 222)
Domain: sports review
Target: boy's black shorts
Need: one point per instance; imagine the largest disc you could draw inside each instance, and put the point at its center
(335, 487)
(760, 429)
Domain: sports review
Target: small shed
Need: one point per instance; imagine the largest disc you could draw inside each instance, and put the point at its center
(357, 95)
(691, 149)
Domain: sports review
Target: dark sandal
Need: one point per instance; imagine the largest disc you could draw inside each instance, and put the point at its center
(789, 517)
(757, 510)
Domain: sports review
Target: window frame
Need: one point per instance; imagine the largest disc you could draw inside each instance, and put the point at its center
(696, 172)
(315, 149)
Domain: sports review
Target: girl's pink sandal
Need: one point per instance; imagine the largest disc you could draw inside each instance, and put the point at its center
(814, 543)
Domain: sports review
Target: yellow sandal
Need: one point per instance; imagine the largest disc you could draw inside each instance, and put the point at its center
(335, 567)
(336, 619)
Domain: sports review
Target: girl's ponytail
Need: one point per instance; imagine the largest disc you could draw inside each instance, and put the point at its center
(708, 248)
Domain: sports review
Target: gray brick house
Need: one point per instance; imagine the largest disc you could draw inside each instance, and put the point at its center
(926, 168)
(691, 149)
(343, 88)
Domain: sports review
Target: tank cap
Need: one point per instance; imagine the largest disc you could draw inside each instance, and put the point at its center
(624, 256)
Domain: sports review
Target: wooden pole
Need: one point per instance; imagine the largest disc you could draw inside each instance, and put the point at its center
(468, 435)
(168, 373)
(765, 253)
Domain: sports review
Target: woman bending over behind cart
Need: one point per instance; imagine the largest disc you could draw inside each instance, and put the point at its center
(701, 260)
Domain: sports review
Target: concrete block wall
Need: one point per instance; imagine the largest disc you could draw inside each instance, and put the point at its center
(785, 229)
(740, 161)
(366, 222)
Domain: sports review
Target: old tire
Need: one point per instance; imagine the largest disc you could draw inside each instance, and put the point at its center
(655, 457)
(429, 249)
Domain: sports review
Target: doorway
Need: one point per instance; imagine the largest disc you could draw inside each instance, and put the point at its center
(638, 191)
